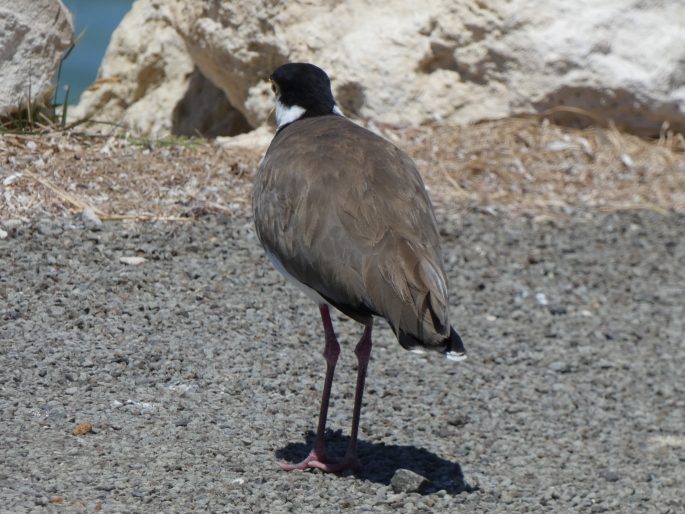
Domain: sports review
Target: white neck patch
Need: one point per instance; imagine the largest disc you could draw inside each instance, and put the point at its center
(285, 115)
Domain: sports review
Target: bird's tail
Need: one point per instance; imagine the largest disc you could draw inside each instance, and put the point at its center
(454, 347)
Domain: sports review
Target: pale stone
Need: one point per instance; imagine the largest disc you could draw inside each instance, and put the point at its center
(132, 260)
(449, 60)
(143, 75)
(91, 220)
(407, 481)
(257, 139)
(462, 61)
(150, 85)
(621, 60)
(33, 37)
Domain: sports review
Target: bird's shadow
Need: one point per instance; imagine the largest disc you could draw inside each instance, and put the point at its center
(380, 461)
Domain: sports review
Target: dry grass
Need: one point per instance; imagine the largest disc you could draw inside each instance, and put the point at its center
(519, 165)
(530, 165)
(120, 178)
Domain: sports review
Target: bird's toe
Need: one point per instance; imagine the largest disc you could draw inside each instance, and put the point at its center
(313, 457)
(348, 463)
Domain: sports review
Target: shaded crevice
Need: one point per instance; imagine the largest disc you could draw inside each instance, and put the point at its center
(205, 111)
(471, 63)
(582, 106)
(350, 97)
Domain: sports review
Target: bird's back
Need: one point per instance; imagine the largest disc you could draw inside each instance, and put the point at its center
(345, 212)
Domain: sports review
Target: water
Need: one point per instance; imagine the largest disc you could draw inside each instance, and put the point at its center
(94, 20)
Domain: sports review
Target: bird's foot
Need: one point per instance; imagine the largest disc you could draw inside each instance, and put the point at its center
(319, 460)
(314, 456)
(348, 463)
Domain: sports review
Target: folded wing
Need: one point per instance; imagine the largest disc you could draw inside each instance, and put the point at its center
(352, 221)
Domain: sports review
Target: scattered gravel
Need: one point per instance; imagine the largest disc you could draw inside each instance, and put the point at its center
(198, 369)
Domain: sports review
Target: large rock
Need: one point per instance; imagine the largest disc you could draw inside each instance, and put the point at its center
(454, 60)
(621, 60)
(140, 79)
(150, 85)
(33, 36)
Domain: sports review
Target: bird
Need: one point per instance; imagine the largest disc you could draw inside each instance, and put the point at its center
(344, 215)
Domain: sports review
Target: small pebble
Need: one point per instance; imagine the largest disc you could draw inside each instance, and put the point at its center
(91, 220)
(82, 428)
(11, 179)
(560, 367)
(458, 420)
(132, 260)
(49, 229)
(609, 475)
(627, 160)
(407, 481)
(12, 224)
(557, 310)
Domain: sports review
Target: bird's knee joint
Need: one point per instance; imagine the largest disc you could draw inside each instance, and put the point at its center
(331, 353)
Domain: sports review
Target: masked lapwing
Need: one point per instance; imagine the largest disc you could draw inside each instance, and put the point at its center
(343, 214)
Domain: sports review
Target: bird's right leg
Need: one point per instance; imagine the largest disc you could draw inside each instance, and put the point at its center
(350, 461)
(331, 352)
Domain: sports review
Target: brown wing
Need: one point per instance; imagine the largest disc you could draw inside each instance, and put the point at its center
(347, 214)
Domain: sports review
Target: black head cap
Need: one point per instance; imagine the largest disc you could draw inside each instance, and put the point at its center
(306, 85)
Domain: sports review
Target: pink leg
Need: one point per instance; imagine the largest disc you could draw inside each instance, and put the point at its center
(331, 352)
(350, 460)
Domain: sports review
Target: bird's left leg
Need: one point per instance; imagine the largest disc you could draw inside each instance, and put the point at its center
(350, 460)
(331, 352)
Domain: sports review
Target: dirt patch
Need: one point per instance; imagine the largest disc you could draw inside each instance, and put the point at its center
(517, 164)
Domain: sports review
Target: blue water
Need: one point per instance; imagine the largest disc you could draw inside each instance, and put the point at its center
(94, 20)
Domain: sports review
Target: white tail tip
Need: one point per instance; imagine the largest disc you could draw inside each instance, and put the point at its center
(455, 356)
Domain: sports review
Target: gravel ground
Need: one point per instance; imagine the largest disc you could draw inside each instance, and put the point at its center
(199, 369)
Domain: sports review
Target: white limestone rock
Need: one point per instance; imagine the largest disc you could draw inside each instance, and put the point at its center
(453, 60)
(143, 75)
(148, 83)
(33, 37)
(622, 60)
